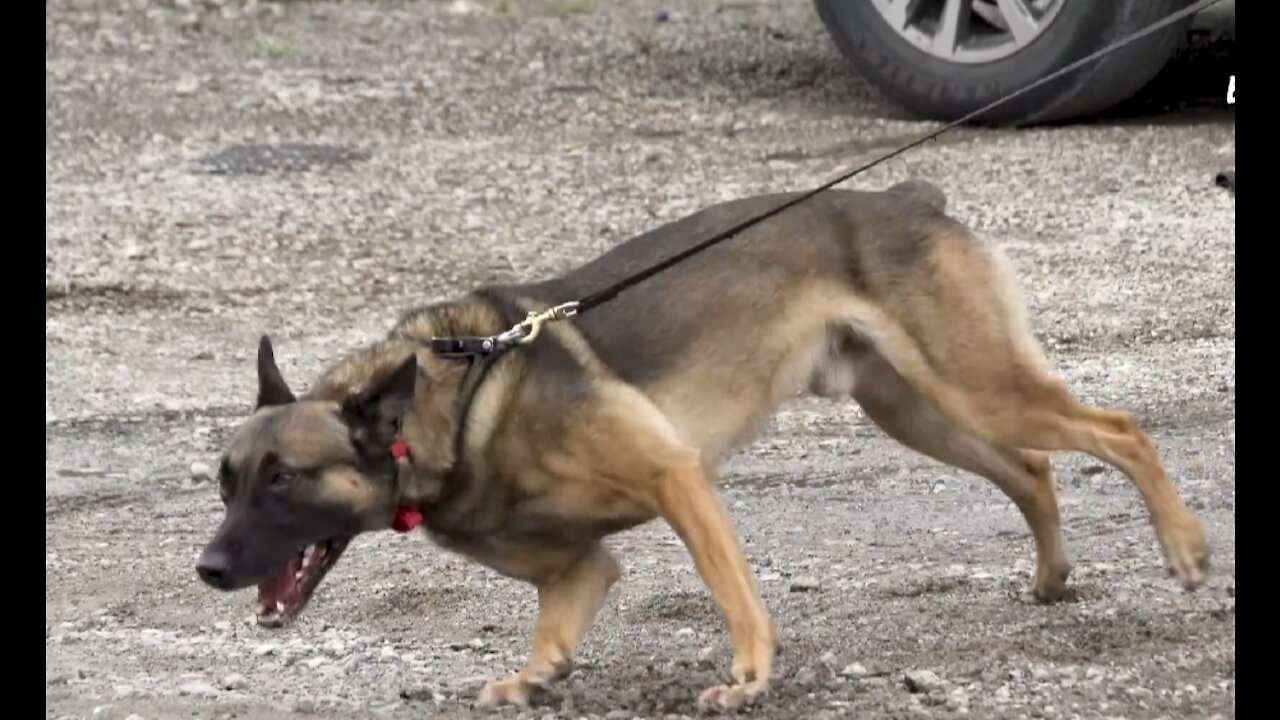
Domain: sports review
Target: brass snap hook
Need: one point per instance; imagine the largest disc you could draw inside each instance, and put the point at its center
(535, 320)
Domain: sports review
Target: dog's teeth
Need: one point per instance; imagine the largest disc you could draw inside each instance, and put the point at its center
(279, 606)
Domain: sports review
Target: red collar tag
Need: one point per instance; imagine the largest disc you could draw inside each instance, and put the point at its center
(406, 519)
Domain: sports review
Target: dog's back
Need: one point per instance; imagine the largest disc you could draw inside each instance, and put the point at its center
(865, 242)
(739, 327)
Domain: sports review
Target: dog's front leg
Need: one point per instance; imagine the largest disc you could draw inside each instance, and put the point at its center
(689, 503)
(568, 600)
(631, 446)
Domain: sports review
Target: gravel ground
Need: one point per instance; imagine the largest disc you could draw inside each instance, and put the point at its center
(218, 169)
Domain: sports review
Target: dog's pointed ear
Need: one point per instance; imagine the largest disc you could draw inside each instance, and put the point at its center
(272, 389)
(379, 408)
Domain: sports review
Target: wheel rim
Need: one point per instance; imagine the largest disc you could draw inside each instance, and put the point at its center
(969, 31)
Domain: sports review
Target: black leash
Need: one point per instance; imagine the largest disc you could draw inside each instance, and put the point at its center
(602, 296)
(484, 351)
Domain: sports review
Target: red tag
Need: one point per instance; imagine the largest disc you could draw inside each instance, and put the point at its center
(406, 519)
(399, 449)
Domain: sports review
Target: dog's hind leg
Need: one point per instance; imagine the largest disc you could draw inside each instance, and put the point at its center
(1054, 420)
(964, 344)
(569, 597)
(1025, 476)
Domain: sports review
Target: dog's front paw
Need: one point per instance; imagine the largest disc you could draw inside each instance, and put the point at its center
(1187, 552)
(729, 697)
(515, 690)
(1050, 583)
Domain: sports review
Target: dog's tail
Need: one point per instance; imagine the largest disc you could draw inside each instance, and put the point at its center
(923, 191)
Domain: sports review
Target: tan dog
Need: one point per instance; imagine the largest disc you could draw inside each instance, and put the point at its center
(621, 415)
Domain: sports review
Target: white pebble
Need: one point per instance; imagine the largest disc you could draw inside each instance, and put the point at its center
(923, 681)
(199, 688)
(805, 583)
(187, 85)
(854, 670)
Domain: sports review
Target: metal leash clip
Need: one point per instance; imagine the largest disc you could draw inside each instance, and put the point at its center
(526, 331)
(529, 328)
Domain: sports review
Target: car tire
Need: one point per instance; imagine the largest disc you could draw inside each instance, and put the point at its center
(936, 88)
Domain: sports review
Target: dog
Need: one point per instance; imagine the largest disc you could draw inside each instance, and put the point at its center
(619, 416)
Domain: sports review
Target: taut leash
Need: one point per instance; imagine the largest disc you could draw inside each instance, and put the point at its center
(484, 351)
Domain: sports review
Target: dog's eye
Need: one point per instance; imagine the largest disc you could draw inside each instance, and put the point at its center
(281, 479)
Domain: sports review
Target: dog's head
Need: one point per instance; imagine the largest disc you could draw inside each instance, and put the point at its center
(299, 479)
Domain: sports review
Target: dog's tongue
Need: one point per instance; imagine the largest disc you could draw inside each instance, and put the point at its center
(280, 591)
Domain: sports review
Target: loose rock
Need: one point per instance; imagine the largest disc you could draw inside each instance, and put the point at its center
(187, 85)
(922, 681)
(201, 472)
(854, 670)
(198, 688)
(805, 583)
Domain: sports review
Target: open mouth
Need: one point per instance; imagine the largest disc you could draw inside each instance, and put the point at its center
(282, 597)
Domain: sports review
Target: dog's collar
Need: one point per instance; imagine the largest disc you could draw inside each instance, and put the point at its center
(481, 353)
(407, 517)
